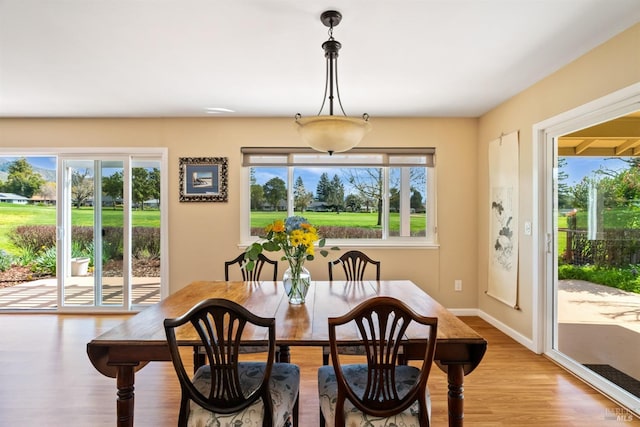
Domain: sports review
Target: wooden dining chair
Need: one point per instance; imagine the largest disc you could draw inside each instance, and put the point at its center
(247, 276)
(225, 390)
(378, 392)
(252, 276)
(354, 263)
(256, 272)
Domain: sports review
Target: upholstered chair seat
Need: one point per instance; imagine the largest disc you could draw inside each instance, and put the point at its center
(356, 375)
(283, 386)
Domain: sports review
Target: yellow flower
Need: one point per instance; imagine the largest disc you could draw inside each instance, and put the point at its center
(294, 236)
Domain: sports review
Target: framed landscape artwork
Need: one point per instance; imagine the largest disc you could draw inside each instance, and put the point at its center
(203, 179)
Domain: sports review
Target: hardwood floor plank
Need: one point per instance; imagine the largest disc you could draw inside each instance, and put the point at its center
(47, 379)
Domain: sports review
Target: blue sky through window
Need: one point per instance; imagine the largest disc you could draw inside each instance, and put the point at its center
(579, 167)
(41, 162)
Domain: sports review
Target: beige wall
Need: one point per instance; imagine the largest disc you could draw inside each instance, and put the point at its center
(611, 66)
(203, 235)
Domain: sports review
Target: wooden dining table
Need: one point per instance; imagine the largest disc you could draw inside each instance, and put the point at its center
(128, 347)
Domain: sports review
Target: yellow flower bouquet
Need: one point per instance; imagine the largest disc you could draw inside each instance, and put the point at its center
(296, 238)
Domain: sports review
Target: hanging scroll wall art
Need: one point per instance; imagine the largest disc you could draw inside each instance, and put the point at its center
(503, 219)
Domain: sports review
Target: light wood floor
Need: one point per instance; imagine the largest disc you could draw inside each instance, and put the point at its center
(46, 379)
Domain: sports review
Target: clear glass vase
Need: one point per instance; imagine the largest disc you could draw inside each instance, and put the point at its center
(296, 284)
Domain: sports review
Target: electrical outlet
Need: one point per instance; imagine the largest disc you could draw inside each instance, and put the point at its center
(457, 285)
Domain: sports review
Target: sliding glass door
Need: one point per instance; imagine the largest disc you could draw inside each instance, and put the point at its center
(591, 297)
(108, 232)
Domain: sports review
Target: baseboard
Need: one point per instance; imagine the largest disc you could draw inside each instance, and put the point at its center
(507, 330)
(465, 311)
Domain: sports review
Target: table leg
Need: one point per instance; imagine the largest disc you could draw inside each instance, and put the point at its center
(124, 405)
(285, 354)
(455, 375)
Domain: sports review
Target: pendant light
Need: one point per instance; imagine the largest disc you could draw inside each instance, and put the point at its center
(330, 133)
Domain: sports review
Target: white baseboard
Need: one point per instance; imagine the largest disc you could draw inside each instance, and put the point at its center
(510, 332)
(465, 311)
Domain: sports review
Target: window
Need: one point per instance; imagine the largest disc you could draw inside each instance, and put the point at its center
(364, 196)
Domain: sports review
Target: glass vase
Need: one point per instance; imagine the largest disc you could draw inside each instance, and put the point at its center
(296, 284)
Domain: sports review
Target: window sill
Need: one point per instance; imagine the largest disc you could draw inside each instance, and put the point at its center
(397, 243)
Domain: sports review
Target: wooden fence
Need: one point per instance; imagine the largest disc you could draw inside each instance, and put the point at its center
(612, 248)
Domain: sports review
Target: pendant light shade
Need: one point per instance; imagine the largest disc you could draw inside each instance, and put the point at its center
(332, 134)
(329, 133)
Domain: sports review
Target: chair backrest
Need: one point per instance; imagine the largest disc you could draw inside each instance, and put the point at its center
(253, 275)
(382, 322)
(219, 324)
(354, 264)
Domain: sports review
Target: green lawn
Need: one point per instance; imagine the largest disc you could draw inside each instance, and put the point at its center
(562, 236)
(346, 219)
(12, 216)
(613, 218)
(343, 219)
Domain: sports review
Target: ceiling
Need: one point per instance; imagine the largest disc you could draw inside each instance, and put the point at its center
(173, 58)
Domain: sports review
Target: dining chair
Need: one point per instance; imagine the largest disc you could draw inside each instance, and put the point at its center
(247, 276)
(252, 276)
(226, 390)
(354, 264)
(256, 272)
(378, 392)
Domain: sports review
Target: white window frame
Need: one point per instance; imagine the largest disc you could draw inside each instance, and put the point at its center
(384, 158)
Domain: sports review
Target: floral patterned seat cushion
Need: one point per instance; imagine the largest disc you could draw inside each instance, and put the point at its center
(284, 385)
(356, 374)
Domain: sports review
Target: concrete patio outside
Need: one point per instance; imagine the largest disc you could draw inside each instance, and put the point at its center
(42, 294)
(599, 325)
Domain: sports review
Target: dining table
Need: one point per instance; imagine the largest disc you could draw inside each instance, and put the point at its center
(121, 351)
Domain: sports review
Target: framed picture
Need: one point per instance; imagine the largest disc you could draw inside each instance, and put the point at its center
(203, 179)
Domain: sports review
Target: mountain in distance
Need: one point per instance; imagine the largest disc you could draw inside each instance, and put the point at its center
(49, 175)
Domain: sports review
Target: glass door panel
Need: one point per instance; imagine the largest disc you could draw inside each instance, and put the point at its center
(596, 258)
(145, 231)
(92, 223)
(112, 222)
